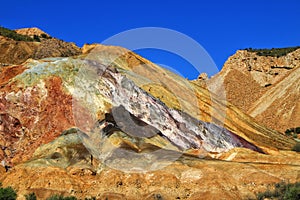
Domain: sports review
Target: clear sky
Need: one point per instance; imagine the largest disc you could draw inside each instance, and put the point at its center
(221, 27)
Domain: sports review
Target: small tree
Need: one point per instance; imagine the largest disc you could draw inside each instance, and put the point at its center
(43, 35)
(30, 196)
(7, 193)
(36, 38)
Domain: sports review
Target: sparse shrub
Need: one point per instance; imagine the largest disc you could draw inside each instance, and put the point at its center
(14, 35)
(36, 38)
(43, 35)
(30, 196)
(274, 52)
(282, 190)
(292, 132)
(288, 133)
(296, 147)
(60, 197)
(7, 193)
(263, 195)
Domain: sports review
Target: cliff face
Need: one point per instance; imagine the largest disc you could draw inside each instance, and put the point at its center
(57, 87)
(88, 125)
(265, 87)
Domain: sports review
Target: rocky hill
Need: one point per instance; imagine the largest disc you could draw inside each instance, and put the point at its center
(264, 84)
(15, 49)
(111, 124)
(32, 32)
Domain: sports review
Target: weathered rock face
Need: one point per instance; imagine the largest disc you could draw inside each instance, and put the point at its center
(55, 88)
(31, 104)
(91, 123)
(56, 48)
(265, 87)
(15, 52)
(180, 94)
(78, 92)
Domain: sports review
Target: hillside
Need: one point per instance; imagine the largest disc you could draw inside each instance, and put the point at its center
(264, 84)
(19, 45)
(31, 32)
(111, 124)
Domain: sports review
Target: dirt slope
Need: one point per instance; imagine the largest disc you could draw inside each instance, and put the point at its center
(265, 87)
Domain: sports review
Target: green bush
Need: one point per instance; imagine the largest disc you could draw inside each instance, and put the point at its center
(288, 132)
(285, 191)
(43, 35)
(292, 131)
(60, 197)
(274, 52)
(30, 196)
(36, 38)
(7, 193)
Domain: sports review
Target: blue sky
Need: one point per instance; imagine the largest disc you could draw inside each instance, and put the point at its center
(221, 27)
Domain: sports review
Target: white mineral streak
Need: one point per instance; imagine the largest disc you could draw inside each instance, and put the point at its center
(181, 129)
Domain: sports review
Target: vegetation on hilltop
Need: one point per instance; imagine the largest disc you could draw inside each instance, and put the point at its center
(274, 52)
(18, 37)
